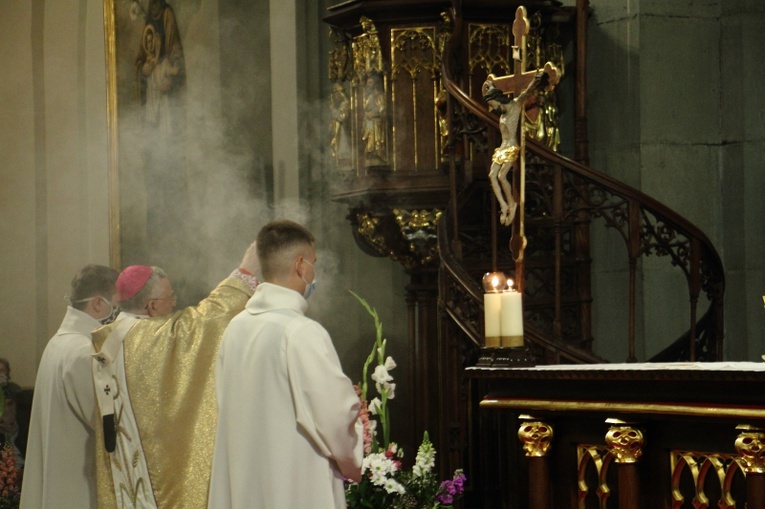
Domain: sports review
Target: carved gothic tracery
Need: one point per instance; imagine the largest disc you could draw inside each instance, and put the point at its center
(597, 458)
(697, 475)
(367, 53)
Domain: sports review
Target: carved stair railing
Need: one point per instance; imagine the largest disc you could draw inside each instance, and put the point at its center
(579, 195)
(650, 228)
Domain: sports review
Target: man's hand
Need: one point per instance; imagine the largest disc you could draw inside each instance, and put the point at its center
(250, 261)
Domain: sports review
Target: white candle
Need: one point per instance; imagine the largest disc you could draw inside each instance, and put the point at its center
(492, 303)
(511, 319)
(493, 284)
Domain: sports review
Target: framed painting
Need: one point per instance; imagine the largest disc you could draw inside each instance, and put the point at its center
(146, 120)
(183, 78)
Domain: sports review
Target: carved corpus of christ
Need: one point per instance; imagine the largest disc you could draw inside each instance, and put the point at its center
(496, 92)
(506, 156)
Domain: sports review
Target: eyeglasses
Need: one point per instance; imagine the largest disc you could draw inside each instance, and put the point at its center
(172, 297)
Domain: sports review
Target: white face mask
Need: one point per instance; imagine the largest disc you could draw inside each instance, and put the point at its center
(113, 310)
(309, 287)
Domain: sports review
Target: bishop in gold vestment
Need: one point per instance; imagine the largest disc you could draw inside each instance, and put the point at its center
(164, 403)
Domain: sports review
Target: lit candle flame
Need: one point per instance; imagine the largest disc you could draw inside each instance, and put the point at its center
(494, 282)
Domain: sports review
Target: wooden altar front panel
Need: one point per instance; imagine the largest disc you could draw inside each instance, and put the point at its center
(681, 421)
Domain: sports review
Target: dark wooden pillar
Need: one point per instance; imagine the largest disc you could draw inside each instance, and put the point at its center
(626, 444)
(422, 310)
(537, 440)
(581, 138)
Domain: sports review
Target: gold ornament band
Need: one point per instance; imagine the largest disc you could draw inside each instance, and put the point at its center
(511, 341)
(492, 341)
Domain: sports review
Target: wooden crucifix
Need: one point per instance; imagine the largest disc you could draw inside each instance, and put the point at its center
(510, 155)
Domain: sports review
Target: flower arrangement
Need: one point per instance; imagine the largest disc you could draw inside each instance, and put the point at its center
(10, 485)
(384, 483)
(10, 491)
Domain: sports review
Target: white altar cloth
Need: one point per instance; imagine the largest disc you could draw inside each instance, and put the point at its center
(652, 366)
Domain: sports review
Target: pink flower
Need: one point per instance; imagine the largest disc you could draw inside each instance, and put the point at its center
(9, 483)
(364, 416)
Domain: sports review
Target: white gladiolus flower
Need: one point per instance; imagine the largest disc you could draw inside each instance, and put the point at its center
(389, 363)
(375, 406)
(389, 387)
(381, 375)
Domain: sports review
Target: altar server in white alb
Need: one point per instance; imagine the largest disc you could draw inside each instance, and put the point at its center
(288, 428)
(60, 466)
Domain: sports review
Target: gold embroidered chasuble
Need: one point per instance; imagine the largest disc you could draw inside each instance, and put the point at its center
(169, 367)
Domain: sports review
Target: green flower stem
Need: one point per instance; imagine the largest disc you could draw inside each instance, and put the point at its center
(378, 339)
(364, 373)
(379, 348)
(384, 419)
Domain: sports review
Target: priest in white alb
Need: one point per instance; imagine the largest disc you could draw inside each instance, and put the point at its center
(61, 445)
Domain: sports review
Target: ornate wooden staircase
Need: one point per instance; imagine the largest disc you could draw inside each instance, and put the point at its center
(421, 196)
